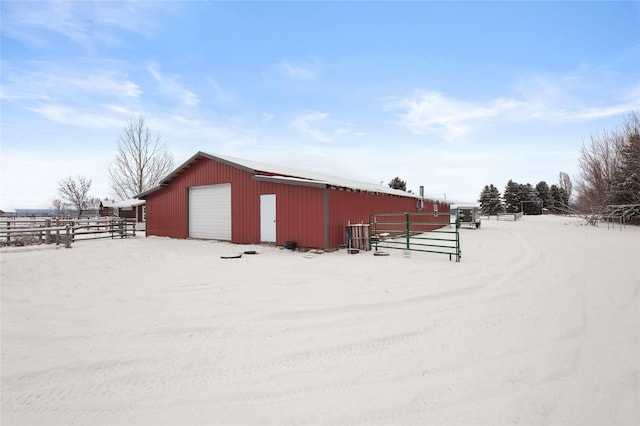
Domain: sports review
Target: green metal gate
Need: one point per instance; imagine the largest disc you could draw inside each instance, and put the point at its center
(425, 231)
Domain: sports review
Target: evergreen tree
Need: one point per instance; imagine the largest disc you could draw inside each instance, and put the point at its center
(559, 198)
(397, 183)
(521, 198)
(529, 200)
(544, 194)
(490, 200)
(511, 197)
(625, 185)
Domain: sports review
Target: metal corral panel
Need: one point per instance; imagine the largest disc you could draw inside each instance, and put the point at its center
(356, 207)
(210, 211)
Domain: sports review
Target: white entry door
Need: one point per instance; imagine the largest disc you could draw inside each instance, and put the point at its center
(268, 218)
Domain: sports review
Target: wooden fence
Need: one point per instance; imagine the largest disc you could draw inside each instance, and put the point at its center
(20, 231)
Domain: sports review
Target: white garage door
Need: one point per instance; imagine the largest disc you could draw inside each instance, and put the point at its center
(210, 212)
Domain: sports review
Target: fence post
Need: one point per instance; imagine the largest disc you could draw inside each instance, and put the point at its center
(374, 221)
(47, 233)
(407, 230)
(67, 242)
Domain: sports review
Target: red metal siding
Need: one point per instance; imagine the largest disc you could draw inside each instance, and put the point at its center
(167, 212)
(300, 210)
(300, 215)
(356, 207)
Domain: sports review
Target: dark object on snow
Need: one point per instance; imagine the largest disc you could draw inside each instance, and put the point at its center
(468, 215)
(237, 256)
(250, 252)
(380, 253)
(354, 251)
(291, 245)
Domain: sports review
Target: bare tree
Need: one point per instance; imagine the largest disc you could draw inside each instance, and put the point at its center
(141, 161)
(598, 163)
(59, 206)
(565, 184)
(76, 193)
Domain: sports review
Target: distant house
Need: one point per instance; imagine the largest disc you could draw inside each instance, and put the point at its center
(243, 201)
(130, 209)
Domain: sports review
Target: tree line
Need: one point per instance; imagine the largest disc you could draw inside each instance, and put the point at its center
(609, 175)
(526, 198)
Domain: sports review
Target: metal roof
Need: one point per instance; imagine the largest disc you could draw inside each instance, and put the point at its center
(280, 174)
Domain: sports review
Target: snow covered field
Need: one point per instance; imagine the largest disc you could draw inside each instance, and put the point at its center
(538, 324)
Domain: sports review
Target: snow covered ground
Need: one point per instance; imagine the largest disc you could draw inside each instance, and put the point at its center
(538, 324)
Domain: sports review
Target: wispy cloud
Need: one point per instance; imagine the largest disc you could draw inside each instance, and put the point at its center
(220, 94)
(317, 126)
(64, 114)
(267, 118)
(172, 86)
(581, 96)
(427, 112)
(304, 125)
(51, 81)
(86, 98)
(534, 98)
(298, 71)
(84, 23)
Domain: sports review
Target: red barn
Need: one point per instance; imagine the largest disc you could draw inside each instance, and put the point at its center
(224, 198)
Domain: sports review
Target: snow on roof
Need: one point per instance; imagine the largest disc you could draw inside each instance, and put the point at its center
(290, 175)
(290, 180)
(133, 202)
(282, 174)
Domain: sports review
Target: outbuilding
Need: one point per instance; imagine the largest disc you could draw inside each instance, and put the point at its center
(242, 201)
(129, 209)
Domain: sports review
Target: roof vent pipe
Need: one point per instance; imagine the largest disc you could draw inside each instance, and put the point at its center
(421, 201)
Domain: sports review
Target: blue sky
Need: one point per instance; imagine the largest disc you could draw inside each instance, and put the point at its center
(449, 95)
